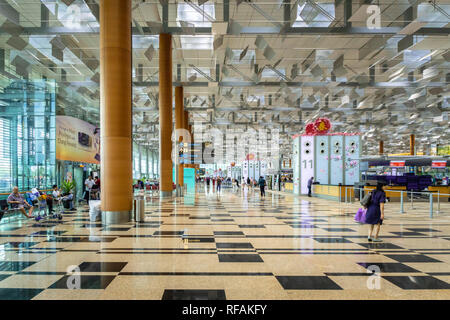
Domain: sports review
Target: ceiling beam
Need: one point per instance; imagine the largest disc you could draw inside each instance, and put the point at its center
(245, 30)
(380, 85)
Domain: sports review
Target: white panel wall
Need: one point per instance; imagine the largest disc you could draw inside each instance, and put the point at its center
(306, 162)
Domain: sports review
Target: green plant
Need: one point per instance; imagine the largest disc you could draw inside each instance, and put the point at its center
(67, 186)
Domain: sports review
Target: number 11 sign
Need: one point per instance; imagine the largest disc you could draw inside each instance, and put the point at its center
(306, 161)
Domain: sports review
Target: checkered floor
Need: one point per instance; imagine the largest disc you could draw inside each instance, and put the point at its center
(232, 245)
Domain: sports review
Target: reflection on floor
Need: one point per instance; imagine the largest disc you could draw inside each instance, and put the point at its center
(229, 246)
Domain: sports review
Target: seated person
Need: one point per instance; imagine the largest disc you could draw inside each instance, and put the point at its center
(68, 197)
(17, 201)
(55, 196)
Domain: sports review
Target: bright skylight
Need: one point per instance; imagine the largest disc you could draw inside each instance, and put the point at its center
(203, 42)
(75, 16)
(187, 13)
(309, 15)
(191, 71)
(268, 73)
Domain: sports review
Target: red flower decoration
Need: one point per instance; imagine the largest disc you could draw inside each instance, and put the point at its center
(310, 129)
(322, 125)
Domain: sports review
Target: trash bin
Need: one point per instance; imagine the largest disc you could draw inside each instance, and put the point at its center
(140, 210)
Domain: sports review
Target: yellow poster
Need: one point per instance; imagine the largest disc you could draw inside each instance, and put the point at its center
(77, 140)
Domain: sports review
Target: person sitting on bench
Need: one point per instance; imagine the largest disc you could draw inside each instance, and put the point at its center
(17, 201)
(68, 198)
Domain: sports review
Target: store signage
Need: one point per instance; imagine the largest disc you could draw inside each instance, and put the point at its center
(397, 164)
(438, 164)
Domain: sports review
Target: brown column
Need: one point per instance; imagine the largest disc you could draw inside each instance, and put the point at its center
(191, 165)
(381, 148)
(115, 111)
(179, 124)
(186, 127)
(412, 144)
(165, 115)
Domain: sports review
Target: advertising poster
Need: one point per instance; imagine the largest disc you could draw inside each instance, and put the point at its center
(77, 140)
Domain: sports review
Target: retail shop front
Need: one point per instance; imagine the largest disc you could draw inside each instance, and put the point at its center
(408, 173)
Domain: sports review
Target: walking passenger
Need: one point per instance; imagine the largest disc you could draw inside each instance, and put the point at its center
(219, 184)
(375, 212)
(262, 185)
(89, 183)
(310, 183)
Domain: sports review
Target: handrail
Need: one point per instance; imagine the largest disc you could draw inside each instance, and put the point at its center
(23, 192)
(431, 195)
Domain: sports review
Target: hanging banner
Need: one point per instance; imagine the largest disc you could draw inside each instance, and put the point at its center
(257, 170)
(251, 169)
(245, 169)
(263, 168)
(77, 140)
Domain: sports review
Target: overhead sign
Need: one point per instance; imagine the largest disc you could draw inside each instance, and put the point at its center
(397, 164)
(438, 164)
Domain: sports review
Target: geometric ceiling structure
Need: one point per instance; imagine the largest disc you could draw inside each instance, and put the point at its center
(256, 64)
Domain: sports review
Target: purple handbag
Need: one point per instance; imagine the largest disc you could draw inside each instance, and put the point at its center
(360, 216)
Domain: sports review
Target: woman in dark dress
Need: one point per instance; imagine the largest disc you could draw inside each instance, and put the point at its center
(375, 212)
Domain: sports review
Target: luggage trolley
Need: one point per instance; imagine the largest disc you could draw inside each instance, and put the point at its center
(59, 207)
(39, 202)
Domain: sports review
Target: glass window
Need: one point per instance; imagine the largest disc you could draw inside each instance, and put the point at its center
(5, 155)
(199, 16)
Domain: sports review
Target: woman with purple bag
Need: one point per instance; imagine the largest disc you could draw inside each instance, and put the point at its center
(375, 212)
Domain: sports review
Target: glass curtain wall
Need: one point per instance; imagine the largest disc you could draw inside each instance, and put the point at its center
(143, 153)
(143, 165)
(27, 134)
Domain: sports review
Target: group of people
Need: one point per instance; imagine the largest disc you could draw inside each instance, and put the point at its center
(25, 205)
(261, 182)
(216, 183)
(92, 188)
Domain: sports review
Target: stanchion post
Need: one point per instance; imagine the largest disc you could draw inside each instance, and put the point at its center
(401, 202)
(412, 204)
(431, 205)
(339, 194)
(439, 203)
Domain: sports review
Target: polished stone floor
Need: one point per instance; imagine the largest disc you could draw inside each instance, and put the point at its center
(232, 245)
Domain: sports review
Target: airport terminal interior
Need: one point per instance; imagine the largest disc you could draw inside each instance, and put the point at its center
(224, 150)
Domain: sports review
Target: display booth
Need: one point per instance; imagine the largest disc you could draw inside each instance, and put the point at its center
(331, 158)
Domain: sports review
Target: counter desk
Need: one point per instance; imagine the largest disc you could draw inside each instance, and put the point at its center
(333, 192)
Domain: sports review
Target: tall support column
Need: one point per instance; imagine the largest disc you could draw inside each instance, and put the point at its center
(186, 127)
(412, 144)
(115, 111)
(153, 164)
(179, 124)
(381, 148)
(165, 115)
(191, 152)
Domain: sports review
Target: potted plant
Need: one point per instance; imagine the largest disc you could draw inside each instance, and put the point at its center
(66, 188)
